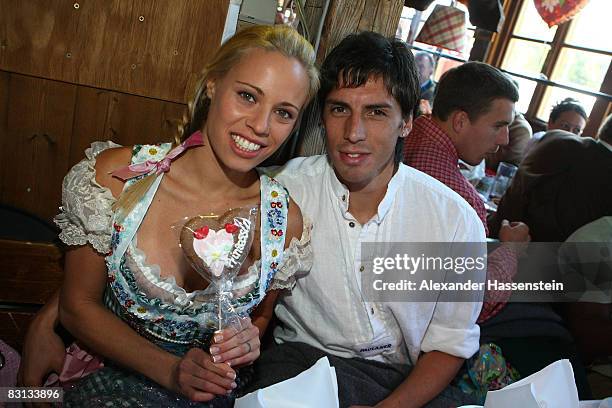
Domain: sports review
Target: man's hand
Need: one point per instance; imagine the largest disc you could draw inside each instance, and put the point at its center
(514, 232)
(236, 346)
(517, 232)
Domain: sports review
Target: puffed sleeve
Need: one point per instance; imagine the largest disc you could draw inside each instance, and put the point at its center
(297, 260)
(85, 215)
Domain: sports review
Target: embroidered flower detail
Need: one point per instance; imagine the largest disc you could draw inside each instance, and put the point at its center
(276, 204)
(152, 151)
(141, 310)
(274, 253)
(275, 218)
(274, 194)
(214, 249)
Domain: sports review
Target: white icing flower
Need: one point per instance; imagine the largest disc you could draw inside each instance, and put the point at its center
(214, 249)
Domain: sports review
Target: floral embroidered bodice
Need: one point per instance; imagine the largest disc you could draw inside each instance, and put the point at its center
(153, 305)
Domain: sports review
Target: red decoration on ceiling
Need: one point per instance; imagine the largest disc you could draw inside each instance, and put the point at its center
(555, 12)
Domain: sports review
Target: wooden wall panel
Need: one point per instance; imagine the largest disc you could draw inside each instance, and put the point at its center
(144, 47)
(48, 125)
(125, 119)
(133, 119)
(35, 154)
(90, 116)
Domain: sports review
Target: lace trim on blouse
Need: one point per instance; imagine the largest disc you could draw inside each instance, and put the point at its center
(85, 215)
(297, 258)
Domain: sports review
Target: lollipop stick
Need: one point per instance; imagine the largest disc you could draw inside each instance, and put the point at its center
(220, 315)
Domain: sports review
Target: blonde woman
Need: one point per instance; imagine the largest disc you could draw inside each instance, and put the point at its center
(128, 293)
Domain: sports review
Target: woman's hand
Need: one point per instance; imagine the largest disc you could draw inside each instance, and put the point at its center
(236, 347)
(43, 353)
(43, 350)
(198, 378)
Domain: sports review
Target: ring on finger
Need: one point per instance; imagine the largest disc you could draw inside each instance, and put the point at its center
(250, 348)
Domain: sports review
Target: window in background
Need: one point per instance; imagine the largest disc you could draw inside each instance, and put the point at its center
(444, 64)
(576, 54)
(527, 49)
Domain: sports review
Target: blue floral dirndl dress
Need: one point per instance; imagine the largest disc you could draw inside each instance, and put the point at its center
(156, 307)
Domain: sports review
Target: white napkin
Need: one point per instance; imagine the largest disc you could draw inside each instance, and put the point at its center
(553, 386)
(315, 387)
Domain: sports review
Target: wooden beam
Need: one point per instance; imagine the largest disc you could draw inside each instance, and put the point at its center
(348, 16)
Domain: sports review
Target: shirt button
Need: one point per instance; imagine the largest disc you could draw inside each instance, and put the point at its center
(361, 268)
(352, 224)
(372, 310)
(343, 197)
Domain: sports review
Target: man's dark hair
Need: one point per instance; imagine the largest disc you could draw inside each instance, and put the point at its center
(605, 131)
(472, 88)
(362, 56)
(567, 105)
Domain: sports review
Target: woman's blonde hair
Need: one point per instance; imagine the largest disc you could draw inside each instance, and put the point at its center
(277, 38)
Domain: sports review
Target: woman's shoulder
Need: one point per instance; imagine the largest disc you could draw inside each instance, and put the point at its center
(108, 161)
(295, 222)
(87, 198)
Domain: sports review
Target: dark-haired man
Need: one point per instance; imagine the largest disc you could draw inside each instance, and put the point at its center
(473, 108)
(403, 354)
(568, 115)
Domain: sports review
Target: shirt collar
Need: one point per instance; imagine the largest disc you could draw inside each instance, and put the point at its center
(431, 130)
(426, 85)
(342, 194)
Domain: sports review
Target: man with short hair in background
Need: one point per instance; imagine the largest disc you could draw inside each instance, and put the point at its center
(473, 108)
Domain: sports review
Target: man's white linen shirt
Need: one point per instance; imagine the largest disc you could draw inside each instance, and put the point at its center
(326, 308)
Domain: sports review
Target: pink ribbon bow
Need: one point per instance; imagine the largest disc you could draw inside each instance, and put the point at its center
(161, 166)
